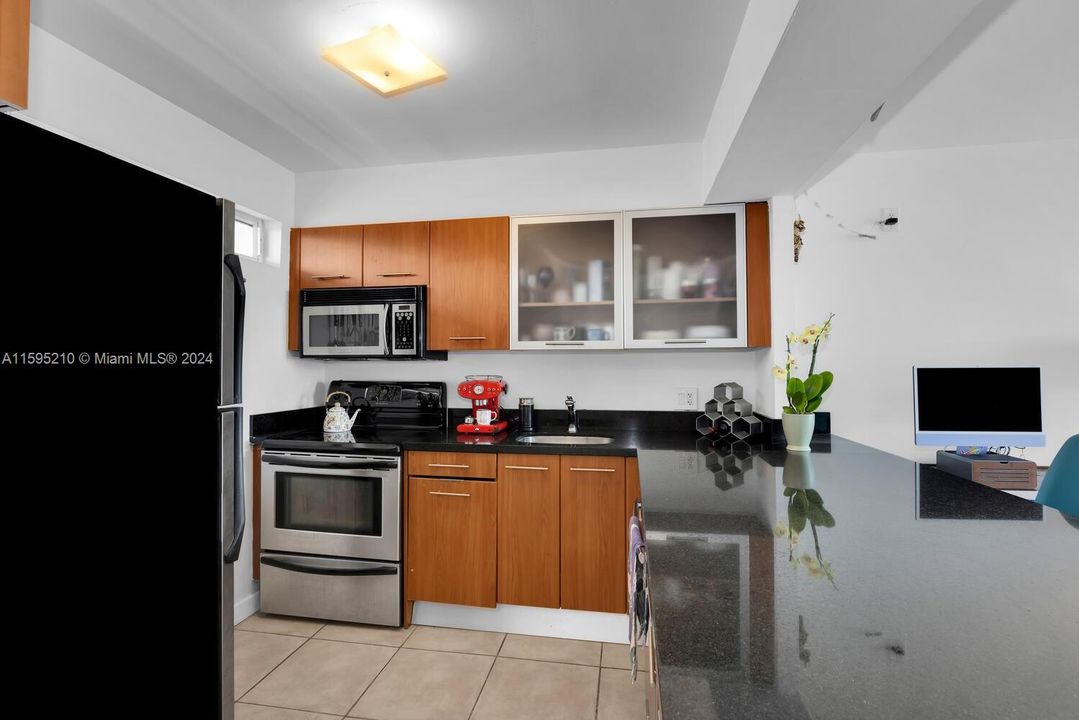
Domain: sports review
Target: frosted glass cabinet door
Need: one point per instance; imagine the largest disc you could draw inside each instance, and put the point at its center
(566, 282)
(685, 277)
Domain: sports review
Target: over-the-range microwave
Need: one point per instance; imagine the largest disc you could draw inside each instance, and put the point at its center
(387, 323)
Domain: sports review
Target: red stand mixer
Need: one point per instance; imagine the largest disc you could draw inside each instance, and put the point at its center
(483, 391)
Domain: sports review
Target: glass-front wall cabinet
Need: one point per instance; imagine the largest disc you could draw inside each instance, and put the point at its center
(685, 277)
(566, 282)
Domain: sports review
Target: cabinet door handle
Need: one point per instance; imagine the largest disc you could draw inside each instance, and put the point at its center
(468, 337)
(397, 274)
(565, 342)
(439, 492)
(592, 469)
(448, 465)
(330, 277)
(684, 342)
(525, 467)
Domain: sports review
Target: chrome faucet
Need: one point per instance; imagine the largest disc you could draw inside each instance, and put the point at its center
(571, 408)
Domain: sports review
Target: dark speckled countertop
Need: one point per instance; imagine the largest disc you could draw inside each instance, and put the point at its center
(947, 599)
(931, 597)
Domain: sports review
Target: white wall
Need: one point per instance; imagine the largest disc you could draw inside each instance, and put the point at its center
(622, 179)
(984, 270)
(74, 94)
(593, 180)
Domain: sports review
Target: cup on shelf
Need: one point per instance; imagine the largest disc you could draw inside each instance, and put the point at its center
(563, 333)
(595, 332)
(542, 331)
(580, 292)
(561, 295)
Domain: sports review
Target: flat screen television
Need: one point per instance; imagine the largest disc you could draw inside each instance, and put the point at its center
(978, 406)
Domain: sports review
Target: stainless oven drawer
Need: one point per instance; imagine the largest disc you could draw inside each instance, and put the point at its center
(331, 588)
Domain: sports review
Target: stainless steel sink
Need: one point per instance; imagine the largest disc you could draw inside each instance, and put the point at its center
(564, 439)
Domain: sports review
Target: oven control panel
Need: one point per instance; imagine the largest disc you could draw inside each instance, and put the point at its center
(404, 329)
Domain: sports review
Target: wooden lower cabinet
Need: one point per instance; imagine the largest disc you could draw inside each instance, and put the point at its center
(550, 532)
(593, 530)
(452, 541)
(528, 530)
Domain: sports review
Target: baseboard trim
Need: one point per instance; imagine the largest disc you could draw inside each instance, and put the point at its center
(520, 620)
(245, 607)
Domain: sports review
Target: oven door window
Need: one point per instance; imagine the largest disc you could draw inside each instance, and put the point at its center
(342, 504)
(344, 328)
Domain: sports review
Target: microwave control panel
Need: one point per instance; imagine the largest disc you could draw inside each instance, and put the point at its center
(404, 329)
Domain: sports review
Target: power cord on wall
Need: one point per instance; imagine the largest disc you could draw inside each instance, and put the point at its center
(831, 217)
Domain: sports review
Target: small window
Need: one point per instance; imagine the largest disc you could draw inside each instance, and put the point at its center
(247, 236)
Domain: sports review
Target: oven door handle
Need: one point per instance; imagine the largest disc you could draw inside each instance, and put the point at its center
(297, 565)
(328, 464)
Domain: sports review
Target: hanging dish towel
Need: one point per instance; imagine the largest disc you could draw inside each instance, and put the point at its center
(637, 598)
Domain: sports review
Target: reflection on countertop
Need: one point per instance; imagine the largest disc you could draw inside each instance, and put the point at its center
(855, 584)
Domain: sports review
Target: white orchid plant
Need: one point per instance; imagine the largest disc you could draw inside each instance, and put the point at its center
(805, 396)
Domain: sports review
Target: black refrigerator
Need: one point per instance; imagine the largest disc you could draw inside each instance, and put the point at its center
(120, 383)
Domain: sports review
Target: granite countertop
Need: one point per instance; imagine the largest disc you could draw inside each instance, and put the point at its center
(927, 597)
(938, 597)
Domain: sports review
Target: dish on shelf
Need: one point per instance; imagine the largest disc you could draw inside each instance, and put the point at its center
(705, 332)
(660, 335)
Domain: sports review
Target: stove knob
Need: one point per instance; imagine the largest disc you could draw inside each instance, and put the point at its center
(478, 389)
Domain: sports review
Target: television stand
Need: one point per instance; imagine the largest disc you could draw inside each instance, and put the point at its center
(1002, 472)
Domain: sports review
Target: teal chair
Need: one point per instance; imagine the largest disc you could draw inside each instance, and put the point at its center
(1060, 486)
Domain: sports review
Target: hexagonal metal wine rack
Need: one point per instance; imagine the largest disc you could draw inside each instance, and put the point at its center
(706, 423)
(728, 415)
(727, 391)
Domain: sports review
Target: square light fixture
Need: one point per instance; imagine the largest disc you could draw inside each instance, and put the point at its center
(385, 62)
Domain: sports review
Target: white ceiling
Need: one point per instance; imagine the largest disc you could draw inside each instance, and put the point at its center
(525, 76)
(1017, 81)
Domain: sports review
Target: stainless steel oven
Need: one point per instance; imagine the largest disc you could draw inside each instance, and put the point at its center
(331, 536)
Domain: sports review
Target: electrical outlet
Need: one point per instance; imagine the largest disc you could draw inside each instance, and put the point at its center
(685, 398)
(685, 463)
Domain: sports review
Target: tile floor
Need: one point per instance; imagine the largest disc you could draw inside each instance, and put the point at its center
(297, 669)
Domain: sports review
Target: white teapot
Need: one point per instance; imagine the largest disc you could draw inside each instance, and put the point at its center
(337, 419)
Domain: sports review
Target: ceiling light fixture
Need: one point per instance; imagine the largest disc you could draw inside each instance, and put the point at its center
(385, 62)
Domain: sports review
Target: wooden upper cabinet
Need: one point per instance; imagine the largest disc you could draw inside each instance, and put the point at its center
(593, 521)
(14, 53)
(528, 530)
(331, 256)
(758, 277)
(397, 254)
(469, 289)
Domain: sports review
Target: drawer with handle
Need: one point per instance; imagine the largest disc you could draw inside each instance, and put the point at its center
(582, 467)
(452, 464)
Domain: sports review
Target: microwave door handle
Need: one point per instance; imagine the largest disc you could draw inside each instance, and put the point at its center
(286, 563)
(387, 339)
(329, 464)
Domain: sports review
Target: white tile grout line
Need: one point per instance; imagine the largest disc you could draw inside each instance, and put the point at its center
(487, 676)
(599, 680)
(259, 681)
(376, 677)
